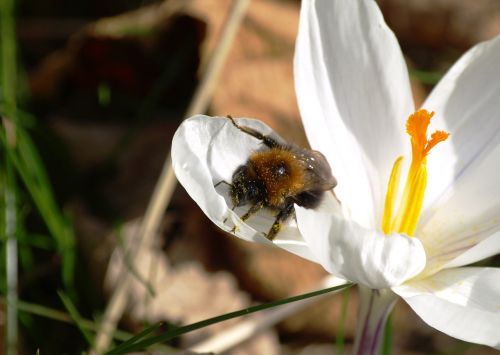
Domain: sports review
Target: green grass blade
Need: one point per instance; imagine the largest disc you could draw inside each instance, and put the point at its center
(8, 58)
(142, 335)
(28, 165)
(340, 336)
(54, 314)
(46, 312)
(387, 342)
(8, 87)
(11, 259)
(75, 315)
(43, 196)
(140, 345)
(34, 240)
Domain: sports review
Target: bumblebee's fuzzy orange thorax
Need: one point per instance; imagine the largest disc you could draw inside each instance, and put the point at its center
(281, 173)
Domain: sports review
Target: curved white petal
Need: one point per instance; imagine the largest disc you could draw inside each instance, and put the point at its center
(207, 150)
(466, 102)
(463, 303)
(466, 248)
(484, 249)
(470, 210)
(354, 96)
(365, 256)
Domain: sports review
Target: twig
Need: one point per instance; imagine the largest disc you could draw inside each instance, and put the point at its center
(167, 182)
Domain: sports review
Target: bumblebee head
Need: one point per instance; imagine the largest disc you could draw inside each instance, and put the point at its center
(246, 187)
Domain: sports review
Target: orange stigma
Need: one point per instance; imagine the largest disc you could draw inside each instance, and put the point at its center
(416, 126)
(412, 199)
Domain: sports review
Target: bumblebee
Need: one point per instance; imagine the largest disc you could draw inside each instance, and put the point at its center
(279, 176)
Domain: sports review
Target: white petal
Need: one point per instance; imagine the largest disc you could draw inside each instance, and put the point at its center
(462, 196)
(469, 211)
(207, 150)
(354, 96)
(473, 243)
(463, 303)
(368, 257)
(466, 102)
(484, 249)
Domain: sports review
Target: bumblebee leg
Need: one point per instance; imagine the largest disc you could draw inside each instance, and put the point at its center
(278, 222)
(267, 140)
(254, 209)
(225, 220)
(228, 184)
(215, 186)
(222, 182)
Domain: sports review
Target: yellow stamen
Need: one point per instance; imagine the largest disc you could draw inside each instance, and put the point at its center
(392, 193)
(410, 206)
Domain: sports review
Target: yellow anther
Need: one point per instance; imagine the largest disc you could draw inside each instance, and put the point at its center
(392, 194)
(411, 204)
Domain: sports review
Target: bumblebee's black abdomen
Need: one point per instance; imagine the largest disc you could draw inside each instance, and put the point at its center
(309, 199)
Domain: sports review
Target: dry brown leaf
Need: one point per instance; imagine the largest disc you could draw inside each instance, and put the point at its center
(182, 295)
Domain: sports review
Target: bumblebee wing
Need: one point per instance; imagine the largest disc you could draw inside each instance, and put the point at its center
(318, 172)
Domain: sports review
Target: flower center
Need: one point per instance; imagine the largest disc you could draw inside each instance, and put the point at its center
(405, 219)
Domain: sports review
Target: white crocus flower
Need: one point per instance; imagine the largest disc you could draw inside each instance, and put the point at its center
(354, 96)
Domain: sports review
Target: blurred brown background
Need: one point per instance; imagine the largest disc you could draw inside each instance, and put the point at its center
(108, 82)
